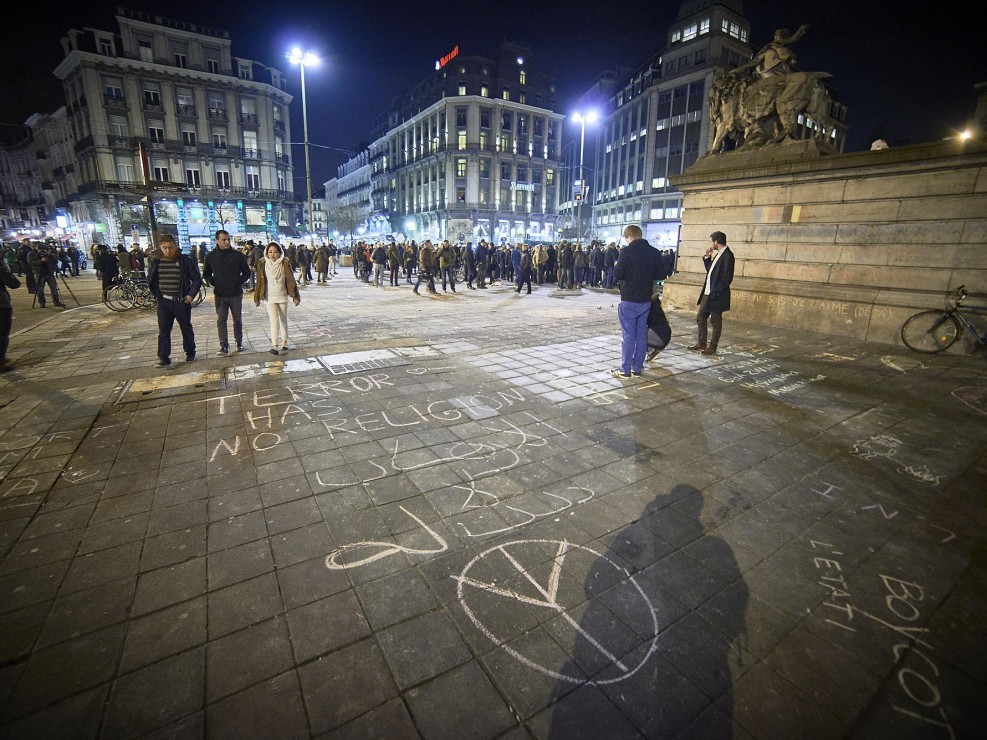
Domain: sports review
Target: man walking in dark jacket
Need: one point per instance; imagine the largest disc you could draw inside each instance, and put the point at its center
(638, 266)
(226, 271)
(174, 279)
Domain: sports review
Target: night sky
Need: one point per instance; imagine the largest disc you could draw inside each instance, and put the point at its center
(905, 76)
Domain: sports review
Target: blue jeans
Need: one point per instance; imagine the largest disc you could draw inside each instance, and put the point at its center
(169, 312)
(634, 328)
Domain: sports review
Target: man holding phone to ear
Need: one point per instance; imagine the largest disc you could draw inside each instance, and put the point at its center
(714, 299)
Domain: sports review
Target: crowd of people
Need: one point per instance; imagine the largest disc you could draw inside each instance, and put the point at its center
(566, 265)
(268, 272)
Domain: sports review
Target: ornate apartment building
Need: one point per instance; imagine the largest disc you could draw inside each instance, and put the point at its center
(163, 108)
(656, 122)
(470, 153)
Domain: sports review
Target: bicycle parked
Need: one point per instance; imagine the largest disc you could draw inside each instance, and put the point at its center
(134, 292)
(935, 331)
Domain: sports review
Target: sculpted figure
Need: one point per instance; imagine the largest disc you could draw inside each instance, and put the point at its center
(760, 102)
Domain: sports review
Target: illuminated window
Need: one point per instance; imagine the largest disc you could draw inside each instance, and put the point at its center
(460, 166)
(549, 177)
(703, 26)
(461, 140)
(690, 32)
(506, 95)
(485, 91)
(522, 76)
(462, 89)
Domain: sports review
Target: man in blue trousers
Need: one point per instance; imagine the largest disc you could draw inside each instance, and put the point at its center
(638, 266)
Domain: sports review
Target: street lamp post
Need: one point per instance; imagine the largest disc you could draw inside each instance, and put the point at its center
(582, 120)
(303, 60)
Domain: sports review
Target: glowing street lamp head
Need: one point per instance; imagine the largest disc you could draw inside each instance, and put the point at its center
(589, 117)
(306, 59)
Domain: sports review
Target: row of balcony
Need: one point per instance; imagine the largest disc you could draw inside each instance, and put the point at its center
(184, 110)
(137, 190)
(175, 146)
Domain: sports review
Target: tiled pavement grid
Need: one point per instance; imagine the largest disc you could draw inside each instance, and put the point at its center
(440, 517)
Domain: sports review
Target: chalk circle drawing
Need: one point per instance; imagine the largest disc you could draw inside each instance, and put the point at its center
(974, 396)
(380, 550)
(545, 595)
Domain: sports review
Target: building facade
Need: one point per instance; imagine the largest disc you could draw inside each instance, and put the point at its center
(22, 204)
(470, 153)
(657, 122)
(163, 110)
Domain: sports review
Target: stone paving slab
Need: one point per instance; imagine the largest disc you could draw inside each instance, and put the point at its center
(441, 517)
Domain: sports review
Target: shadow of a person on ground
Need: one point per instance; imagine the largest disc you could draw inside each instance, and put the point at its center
(651, 652)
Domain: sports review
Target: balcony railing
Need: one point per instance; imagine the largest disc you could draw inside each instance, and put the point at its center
(114, 101)
(282, 158)
(152, 105)
(248, 118)
(185, 109)
(217, 114)
(84, 143)
(178, 188)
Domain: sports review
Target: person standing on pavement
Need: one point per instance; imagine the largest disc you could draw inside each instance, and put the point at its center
(524, 269)
(393, 262)
(379, 257)
(447, 265)
(175, 281)
(426, 267)
(276, 285)
(42, 262)
(714, 298)
(481, 265)
(7, 280)
(637, 268)
(226, 271)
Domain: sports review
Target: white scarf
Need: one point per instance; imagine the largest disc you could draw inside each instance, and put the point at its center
(274, 269)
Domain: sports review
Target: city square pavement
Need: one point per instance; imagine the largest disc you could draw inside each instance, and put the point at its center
(439, 516)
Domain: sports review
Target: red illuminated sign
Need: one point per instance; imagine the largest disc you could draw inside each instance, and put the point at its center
(443, 61)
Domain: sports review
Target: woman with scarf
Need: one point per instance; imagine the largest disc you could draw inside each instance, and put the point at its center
(275, 285)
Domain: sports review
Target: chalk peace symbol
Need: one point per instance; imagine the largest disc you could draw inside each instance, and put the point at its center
(544, 594)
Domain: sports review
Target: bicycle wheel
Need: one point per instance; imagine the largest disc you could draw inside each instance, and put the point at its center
(930, 331)
(143, 297)
(119, 298)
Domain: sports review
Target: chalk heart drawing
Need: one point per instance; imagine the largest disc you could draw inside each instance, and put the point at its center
(974, 396)
(520, 588)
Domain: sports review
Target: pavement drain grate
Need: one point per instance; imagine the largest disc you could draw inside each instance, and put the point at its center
(356, 362)
(273, 368)
(169, 386)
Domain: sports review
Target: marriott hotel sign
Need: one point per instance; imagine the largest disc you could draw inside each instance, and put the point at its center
(530, 187)
(443, 61)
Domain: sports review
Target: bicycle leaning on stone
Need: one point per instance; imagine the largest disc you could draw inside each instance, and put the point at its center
(936, 330)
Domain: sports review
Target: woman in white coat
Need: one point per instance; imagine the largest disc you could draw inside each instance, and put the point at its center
(276, 286)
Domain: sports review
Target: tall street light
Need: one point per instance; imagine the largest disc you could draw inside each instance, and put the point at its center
(582, 119)
(303, 60)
